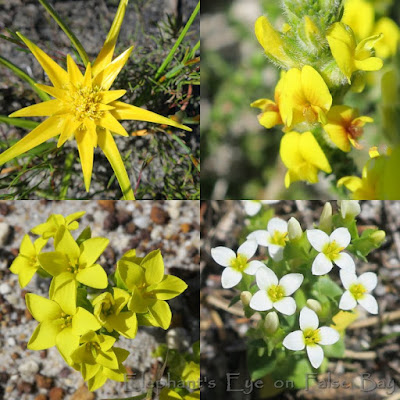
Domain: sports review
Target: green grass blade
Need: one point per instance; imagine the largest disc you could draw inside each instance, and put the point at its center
(68, 165)
(178, 42)
(21, 123)
(23, 75)
(74, 40)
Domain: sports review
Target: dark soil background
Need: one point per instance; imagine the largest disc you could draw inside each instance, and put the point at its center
(372, 346)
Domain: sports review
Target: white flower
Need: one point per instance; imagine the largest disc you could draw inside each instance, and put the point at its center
(330, 248)
(311, 337)
(325, 220)
(275, 237)
(349, 208)
(357, 291)
(236, 264)
(274, 294)
(294, 229)
(252, 207)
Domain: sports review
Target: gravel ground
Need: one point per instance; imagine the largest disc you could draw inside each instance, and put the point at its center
(172, 226)
(222, 332)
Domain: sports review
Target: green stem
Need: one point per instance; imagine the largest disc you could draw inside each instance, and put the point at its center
(23, 75)
(21, 123)
(74, 40)
(69, 162)
(178, 42)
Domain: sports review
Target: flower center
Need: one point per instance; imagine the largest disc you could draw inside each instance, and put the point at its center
(357, 290)
(276, 292)
(67, 321)
(107, 308)
(311, 337)
(309, 114)
(332, 250)
(279, 238)
(93, 348)
(355, 131)
(239, 263)
(85, 103)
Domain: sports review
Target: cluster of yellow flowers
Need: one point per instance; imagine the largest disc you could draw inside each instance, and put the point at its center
(81, 322)
(325, 51)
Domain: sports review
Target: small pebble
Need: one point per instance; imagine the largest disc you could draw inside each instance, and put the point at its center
(56, 393)
(28, 369)
(5, 232)
(159, 216)
(5, 288)
(11, 341)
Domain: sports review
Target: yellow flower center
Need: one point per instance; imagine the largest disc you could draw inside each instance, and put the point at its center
(85, 103)
(107, 307)
(279, 238)
(311, 337)
(93, 348)
(309, 114)
(67, 321)
(332, 250)
(239, 263)
(357, 290)
(276, 292)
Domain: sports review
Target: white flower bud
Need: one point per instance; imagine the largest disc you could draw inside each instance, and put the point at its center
(314, 305)
(271, 323)
(349, 208)
(245, 298)
(294, 229)
(325, 221)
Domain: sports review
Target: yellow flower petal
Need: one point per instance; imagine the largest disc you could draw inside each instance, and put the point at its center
(124, 323)
(67, 342)
(93, 276)
(359, 15)
(312, 152)
(56, 74)
(315, 89)
(41, 308)
(69, 128)
(269, 119)
(108, 121)
(170, 287)
(127, 111)
(44, 109)
(58, 93)
(138, 303)
(153, 265)
(353, 183)
(45, 131)
(338, 135)
(84, 321)
(74, 73)
(387, 46)
(111, 95)
(161, 313)
(369, 64)
(91, 250)
(26, 274)
(66, 244)
(63, 291)
(54, 262)
(44, 336)
(289, 150)
(86, 150)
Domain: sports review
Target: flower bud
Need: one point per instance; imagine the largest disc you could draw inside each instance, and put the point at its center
(314, 305)
(245, 298)
(349, 208)
(271, 323)
(378, 237)
(325, 221)
(294, 229)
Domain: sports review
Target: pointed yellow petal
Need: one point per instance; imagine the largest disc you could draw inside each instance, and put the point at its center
(105, 78)
(67, 342)
(86, 149)
(108, 121)
(107, 144)
(41, 308)
(63, 291)
(87, 79)
(338, 135)
(93, 276)
(289, 150)
(91, 250)
(60, 94)
(74, 73)
(127, 111)
(106, 54)
(315, 88)
(312, 152)
(56, 74)
(68, 130)
(45, 109)
(111, 95)
(44, 335)
(45, 131)
(369, 64)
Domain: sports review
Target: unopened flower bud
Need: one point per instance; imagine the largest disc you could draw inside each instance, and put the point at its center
(245, 298)
(294, 229)
(325, 221)
(349, 208)
(378, 237)
(271, 323)
(314, 305)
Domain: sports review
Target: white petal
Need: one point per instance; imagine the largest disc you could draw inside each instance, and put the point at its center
(345, 262)
(248, 248)
(270, 201)
(369, 303)
(341, 236)
(347, 301)
(369, 280)
(294, 341)
(328, 335)
(308, 319)
(286, 306)
(265, 277)
(277, 224)
(348, 278)
(315, 355)
(276, 252)
(251, 207)
(222, 255)
(291, 282)
(260, 301)
(317, 238)
(230, 278)
(261, 237)
(253, 266)
(321, 265)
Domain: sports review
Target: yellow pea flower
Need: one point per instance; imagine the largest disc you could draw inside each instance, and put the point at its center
(272, 42)
(349, 56)
(85, 108)
(345, 126)
(57, 327)
(149, 287)
(26, 263)
(105, 373)
(360, 16)
(55, 221)
(303, 156)
(387, 46)
(305, 97)
(93, 352)
(270, 115)
(70, 264)
(108, 310)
